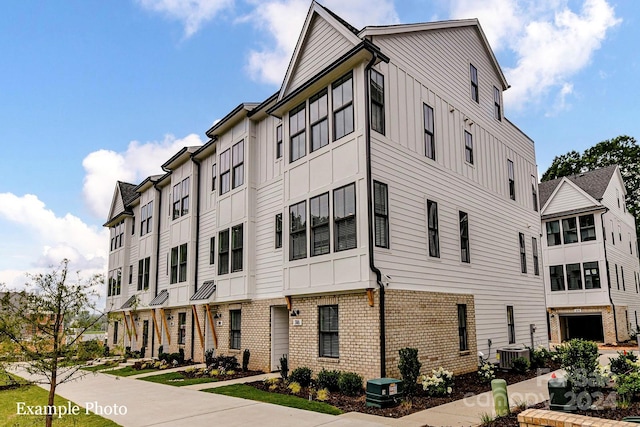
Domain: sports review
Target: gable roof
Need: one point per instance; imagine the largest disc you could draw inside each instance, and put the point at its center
(128, 192)
(594, 183)
(123, 195)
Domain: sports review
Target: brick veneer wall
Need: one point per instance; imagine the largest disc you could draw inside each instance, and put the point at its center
(540, 417)
(608, 323)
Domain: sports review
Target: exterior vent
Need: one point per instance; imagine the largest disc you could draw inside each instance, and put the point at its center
(507, 355)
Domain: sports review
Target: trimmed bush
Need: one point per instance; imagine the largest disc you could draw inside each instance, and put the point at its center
(624, 363)
(540, 357)
(350, 383)
(245, 359)
(580, 359)
(328, 379)
(409, 367)
(520, 365)
(284, 367)
(225, 363)
(301, 375)
(208, 357)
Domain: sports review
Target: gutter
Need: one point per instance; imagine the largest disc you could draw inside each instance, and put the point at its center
(606, 259)
(197, 246)
(372, 265)
(155, 286)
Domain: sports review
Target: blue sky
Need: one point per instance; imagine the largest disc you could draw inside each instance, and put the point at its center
(94, 91)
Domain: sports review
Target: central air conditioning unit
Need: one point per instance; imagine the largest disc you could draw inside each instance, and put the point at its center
(508, 354)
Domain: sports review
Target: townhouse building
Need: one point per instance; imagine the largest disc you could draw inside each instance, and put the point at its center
(590, 253)
(379, 200)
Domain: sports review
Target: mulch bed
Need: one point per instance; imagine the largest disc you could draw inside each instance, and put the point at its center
(465, 385)
(225, 377)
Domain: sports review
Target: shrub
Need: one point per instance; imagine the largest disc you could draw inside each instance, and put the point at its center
(486, 372)
(245, 359)
(350, 383)
(143, 350)
(294, 387)
(163, 357)
(284, 367)
(181, 356)
(540, 357)
(225, 363)
(409, 367)
(322, 395)
(301, 375)
(328, 379)
(160, 350)
(208, 357)
(520, 365)
(105, 351)
(440, 383)
(624, 363)
(88, 350)
(628, 386)
(579, 358)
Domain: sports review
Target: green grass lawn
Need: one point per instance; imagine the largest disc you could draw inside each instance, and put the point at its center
(95, 368)
(128, 371)
(177, 379)
(35, 396)
(252, 393)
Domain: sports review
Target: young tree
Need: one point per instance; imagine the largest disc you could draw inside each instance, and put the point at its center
(33, 322)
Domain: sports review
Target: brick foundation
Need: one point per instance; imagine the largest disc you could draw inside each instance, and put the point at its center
(540, 417)
(608, 323)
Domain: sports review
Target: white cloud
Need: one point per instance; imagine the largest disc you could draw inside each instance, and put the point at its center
(551, 42)
(192, 13)
(104, 167)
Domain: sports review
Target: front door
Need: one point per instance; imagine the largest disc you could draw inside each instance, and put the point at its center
(279, 335)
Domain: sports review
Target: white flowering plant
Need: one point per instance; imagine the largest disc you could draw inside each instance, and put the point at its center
(486, 371)
(440, 383)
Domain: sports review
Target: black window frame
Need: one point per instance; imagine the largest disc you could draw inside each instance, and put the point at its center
(497, 104)
(433, 228)
(224, 240)
(297, 133)
(225, 171)
(569, 231)
(212, 250)
(214, 175)
(183, 263)
(556, 278)
(512, 179)
(624, 286)
(343, 106)
(174, 265)
(186, 190)
(318, 120)
(237, 243)
(463, 220)
(278, 231)
(344, 220)
(145, 333)
(177, 188)
(536, 259)
(381, 214)
(463, 338)
(591, 271)
(473, 78)
(298, 231)
(587, 231)
(320, 227)
(235, 329)
(574, 276)
(534, 192)
(511, 325)
(182, 328)
(555, 234)
(329, 331)
(376, 86)
(279, 141)
(237, 164)
(144, 269)
(523, 253)
(428, 115)
(115, 332)
(468, 147)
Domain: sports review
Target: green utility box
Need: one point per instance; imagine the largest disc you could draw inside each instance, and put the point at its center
(384, 392)
(560, 395)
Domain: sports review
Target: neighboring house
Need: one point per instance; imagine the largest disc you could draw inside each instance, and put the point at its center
(379, 200)
(590, 255)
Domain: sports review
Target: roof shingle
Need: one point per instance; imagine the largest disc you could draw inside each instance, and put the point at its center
(594, 183)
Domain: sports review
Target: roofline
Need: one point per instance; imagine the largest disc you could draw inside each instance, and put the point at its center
(572, 212)
(117, 218)
(245, 106)
(571, 183)
(175, 157)
(204, 148)
(263, 105)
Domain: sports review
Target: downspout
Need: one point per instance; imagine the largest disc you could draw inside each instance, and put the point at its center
(197, 244)
(372, 265)
(606, 259)
(155, 286)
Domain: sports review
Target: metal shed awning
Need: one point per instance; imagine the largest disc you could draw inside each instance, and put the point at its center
(161, 298)
(207, 289)
(129, 303)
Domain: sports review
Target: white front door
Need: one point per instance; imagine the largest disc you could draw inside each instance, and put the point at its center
(279, 335)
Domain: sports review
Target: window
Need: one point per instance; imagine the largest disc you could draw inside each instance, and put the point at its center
(182, 276)
(298, 231)
(429, 140)
(630, 245)
(617, 277)
(182, 328)
(462, 327)
(468, 147)
(534, 250)
(149, 217)
(174, 265)
(145, 333)
(342, 97)
(497, 104)
(534, 192)
(236, 248)
(523, 254)
(146, 218)
(223, 252)
(133, 226)
(474, 83)
(225, 172)
(297, 127)
(344, 217)
(574, 277)
(591, 275)
(553, 233)
(238, 164)
(556, 276)
(587, 228)
(115, 333)
(130, 274)
(185, 196)
(144, 267)
(236, 329)
(381, 214)
(212, 250)
(511, 325)
(278, 230)
(328, 331)
(179, 264)
(114, 282)
(318, 120)
(214, 174)
(635, 276)
(181, 198)
(117, 235)
(464, 237)
(176, 201)
(569, 230)
(613, 238)
(618, 197)
(434, 236)
(624, 288)
(279, 141)
(512, 181)
(319, 211)
(377, 101)
(619, 233)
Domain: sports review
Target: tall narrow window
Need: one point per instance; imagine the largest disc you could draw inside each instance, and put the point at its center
(145, 333)
(591, 275)
(624, 287)
(298, 231)
(556, 275)
(115, 333)
(185, 196)
(534, 251)
(144, 267)
(328, 326)
(318, 120)
(133, 226)
(630, 245)
(553, 233)
(511, 325)
(174, 265)
(182, 328)
(176, 201)
(214, 175)
(468, 147)
(238, 164)
(223, 252)
(574, 277)
(462, 327)
(212, 250)
(236, 248)
(342, 97)
(497, 104)
(381, 213)
(236, 329)
(569, 230)
(434, 234)
(512, 180)
(182, 274)
(377, 101)
(534, 192)
(523, 254)
(344, 217)
(429, 140)
(587, 228)
(131, 274)
(143, 220)
(149, 217)
(464, 237)
(319, 211)
(225, 172)
(473, 71)
(278, 141)
(297, 127)
(278, 230)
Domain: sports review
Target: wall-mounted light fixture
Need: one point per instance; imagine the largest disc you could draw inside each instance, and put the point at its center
(295, 313)
(169, 317)
(217, 316)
